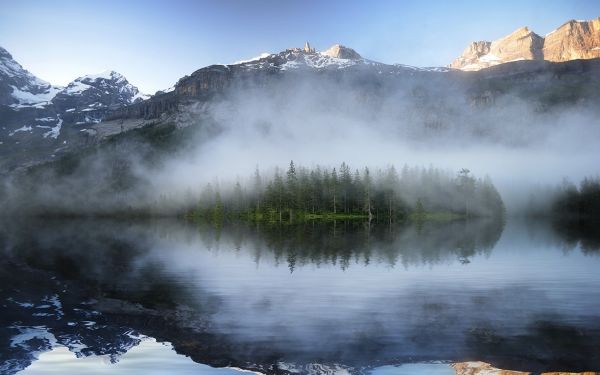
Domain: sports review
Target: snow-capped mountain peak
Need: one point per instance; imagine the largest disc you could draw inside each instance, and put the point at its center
(103, 90)
(336, 57)
(107, 81)
(36, 111)
(18, 87)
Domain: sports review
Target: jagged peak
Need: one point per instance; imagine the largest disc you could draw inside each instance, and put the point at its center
(102, 79)
(521, 33)
(574, 39)
(307, 48)
(110, 75)
(572, 21)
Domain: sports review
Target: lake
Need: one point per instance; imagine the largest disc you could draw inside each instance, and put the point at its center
(170, 296)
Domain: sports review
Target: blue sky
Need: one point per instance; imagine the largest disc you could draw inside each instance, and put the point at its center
(154, 43)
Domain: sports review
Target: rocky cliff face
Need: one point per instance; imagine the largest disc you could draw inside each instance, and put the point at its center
(573, 40)
(482, 368)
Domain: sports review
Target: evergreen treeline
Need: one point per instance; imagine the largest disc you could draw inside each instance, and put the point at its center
(581, 202)
(300, 193)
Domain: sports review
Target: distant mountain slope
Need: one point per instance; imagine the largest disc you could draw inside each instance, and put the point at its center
(39, 120)
(573, 40)
(19, 87)
(433, 100)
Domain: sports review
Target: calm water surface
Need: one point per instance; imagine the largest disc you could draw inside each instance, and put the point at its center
(157, 297)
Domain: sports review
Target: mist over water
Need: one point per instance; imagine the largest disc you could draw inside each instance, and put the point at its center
(337, 294)
(317, 122)
(349, 295)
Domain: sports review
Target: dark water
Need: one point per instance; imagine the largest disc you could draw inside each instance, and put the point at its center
(157, 297)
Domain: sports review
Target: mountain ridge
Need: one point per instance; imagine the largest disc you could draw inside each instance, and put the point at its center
(94, 107)
(571, 41)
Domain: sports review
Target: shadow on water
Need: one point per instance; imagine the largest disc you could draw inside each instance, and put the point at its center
(278, 299)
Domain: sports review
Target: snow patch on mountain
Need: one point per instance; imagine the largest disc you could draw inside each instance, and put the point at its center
(25, 128)
(28, 98)
(55, 131)
(261, 56)
(105, 82)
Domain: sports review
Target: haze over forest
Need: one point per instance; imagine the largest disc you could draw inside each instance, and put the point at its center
(385, 188)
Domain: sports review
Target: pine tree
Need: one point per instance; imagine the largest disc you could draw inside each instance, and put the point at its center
(292, 189)
(257, 189)
(333, 188)
(419, 209)
(367, 186)
(466, 185)
(279, 189)
(346, 182)
(218, 211)
(238, 198)
(357, 190)
(390, 190)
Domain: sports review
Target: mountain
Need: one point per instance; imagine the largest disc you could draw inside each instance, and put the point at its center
(92, 108)
(88, 98)
(212, 80)
(18, 87)
(39, 120)
(336, 57)
(573, 40)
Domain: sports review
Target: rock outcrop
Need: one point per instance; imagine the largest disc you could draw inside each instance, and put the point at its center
(482, 368)
(573, 40)
(308, 49)
(341, 52)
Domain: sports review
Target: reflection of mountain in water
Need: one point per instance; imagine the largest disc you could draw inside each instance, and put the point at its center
(91, 285)
(40, 311)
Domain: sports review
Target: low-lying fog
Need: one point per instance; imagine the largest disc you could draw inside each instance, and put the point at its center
(514, 144)
(515, 141)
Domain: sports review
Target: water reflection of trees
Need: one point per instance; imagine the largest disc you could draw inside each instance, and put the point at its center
(347, 243)
(584, 233)
(106, 262)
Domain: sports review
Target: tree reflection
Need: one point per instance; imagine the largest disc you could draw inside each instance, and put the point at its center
(346, 243)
